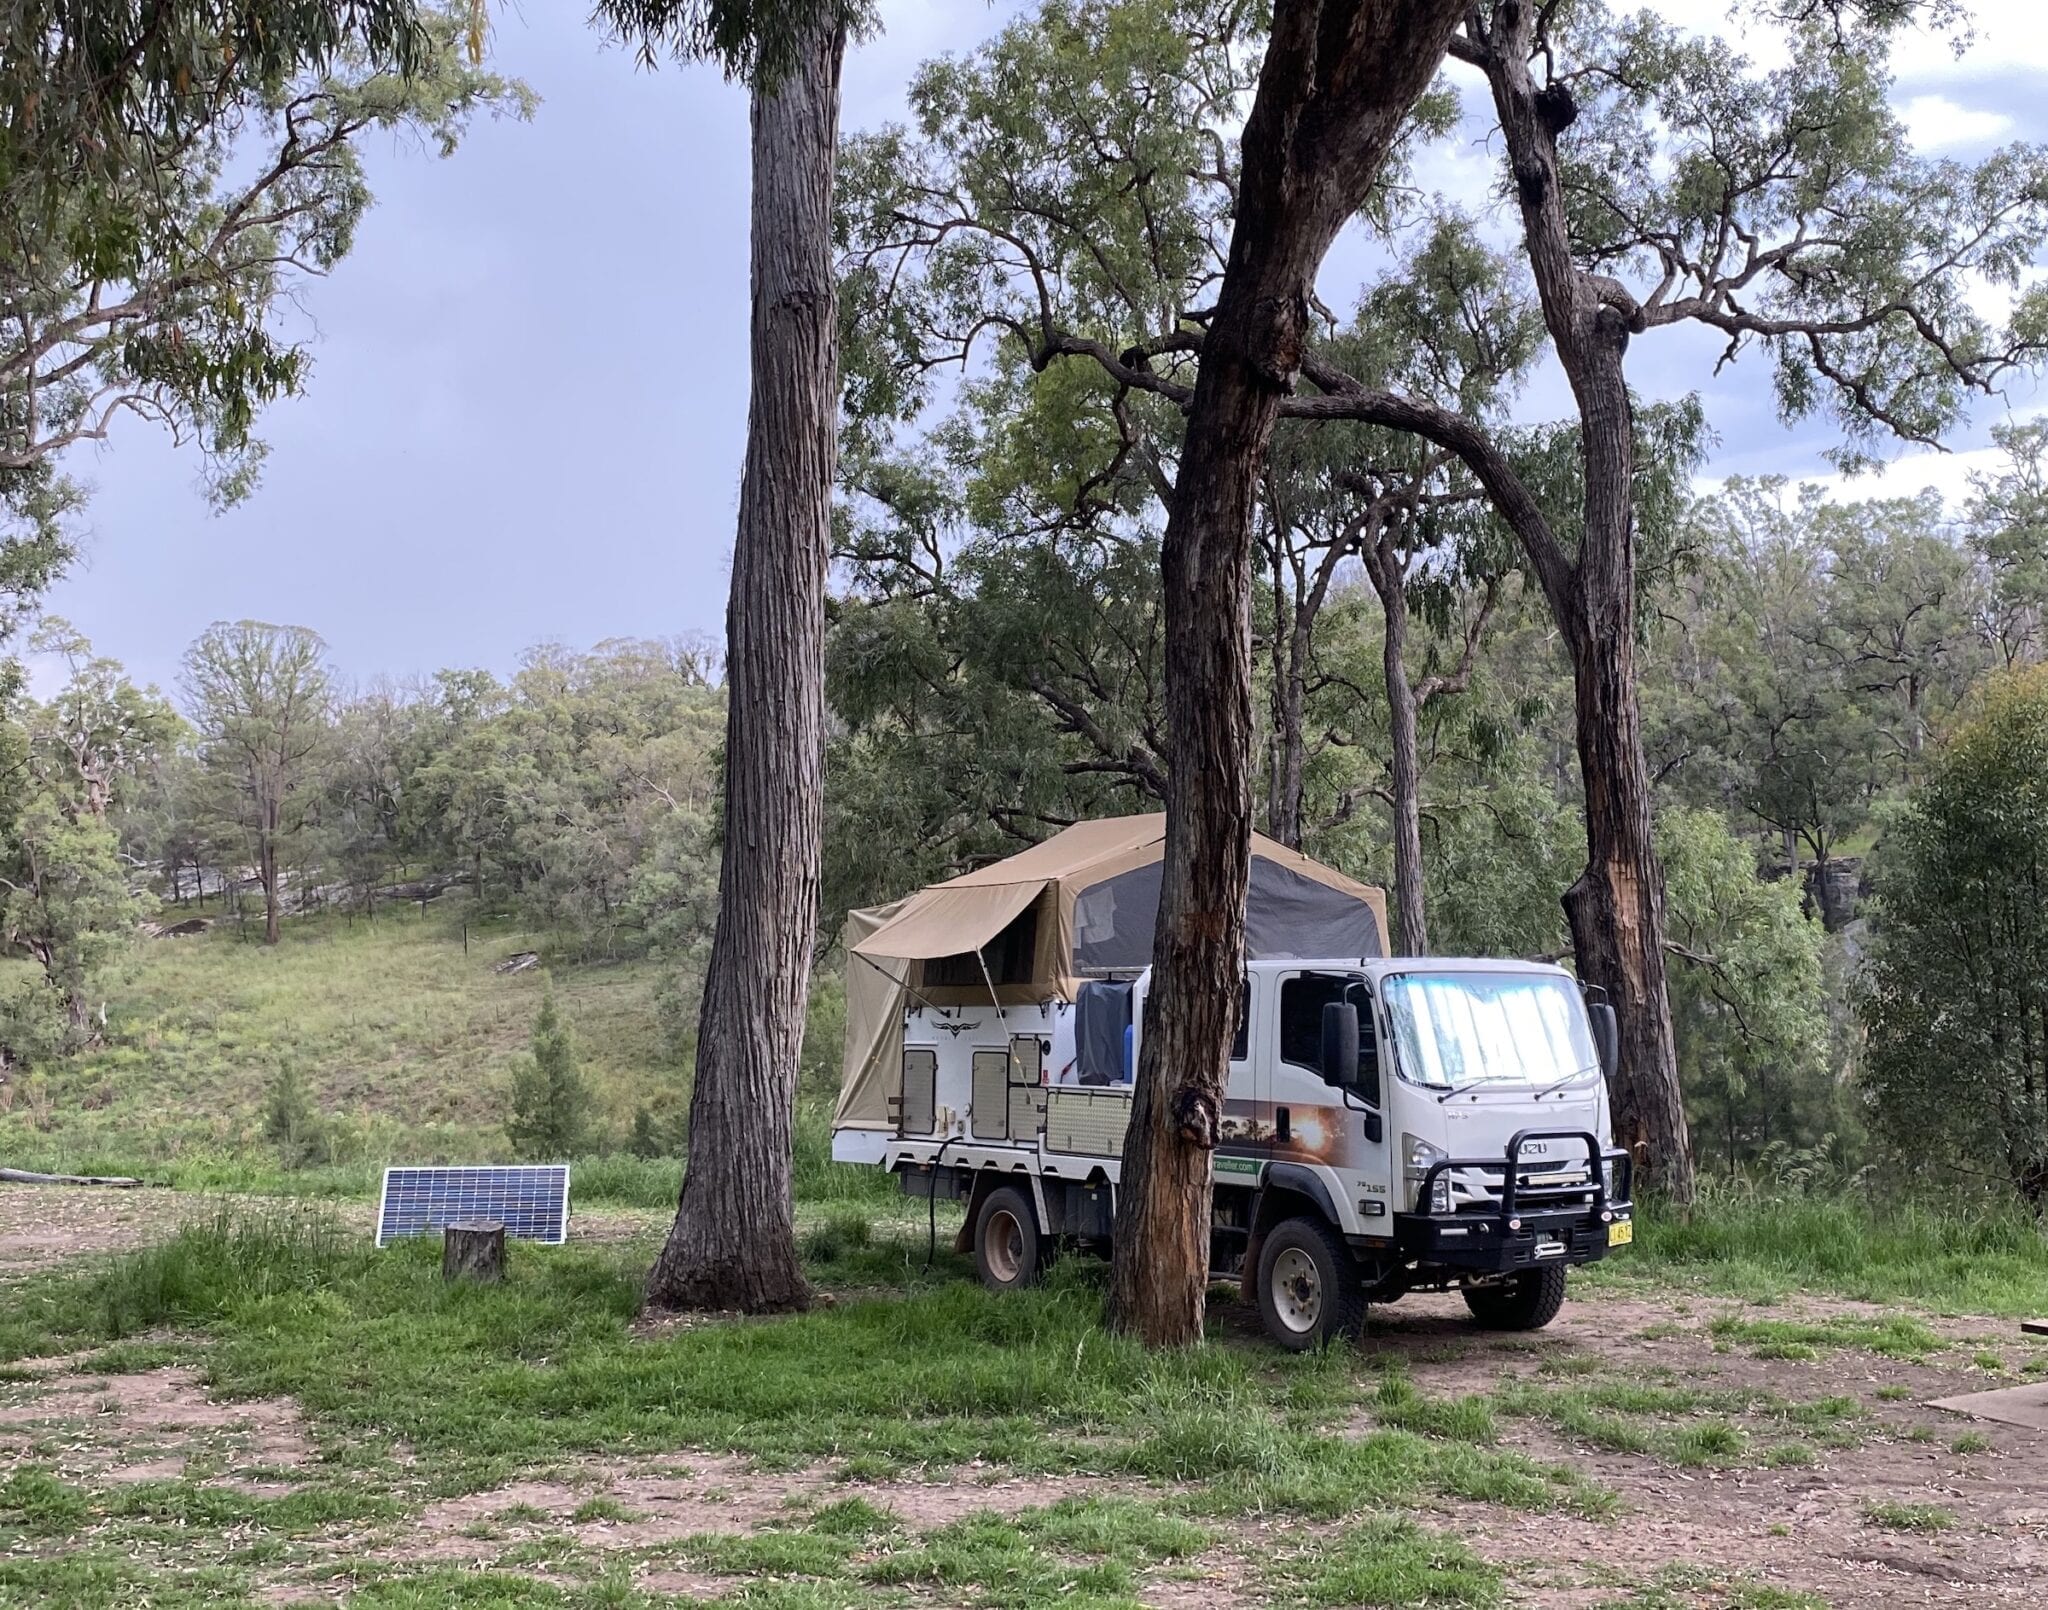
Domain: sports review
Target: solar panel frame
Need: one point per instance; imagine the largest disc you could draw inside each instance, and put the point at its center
(465, 1191)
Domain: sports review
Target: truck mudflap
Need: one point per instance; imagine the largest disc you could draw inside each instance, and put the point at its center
(1528, 1227)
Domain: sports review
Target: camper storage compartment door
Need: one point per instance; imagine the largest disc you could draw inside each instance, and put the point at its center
(1027, 1086)
(918, 1114)
(1087, 1123)
(991, 1113)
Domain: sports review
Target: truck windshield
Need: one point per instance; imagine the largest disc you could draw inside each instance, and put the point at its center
(1459, 1030)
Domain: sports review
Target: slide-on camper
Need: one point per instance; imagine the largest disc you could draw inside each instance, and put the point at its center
(1392, 1124)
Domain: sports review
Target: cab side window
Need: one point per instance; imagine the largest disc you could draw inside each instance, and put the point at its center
(1302, 999)
(1241, 1043)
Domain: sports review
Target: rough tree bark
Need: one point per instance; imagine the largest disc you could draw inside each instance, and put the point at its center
(1404, 760)
(1338, 79)
(733, 1244)
(1388, 560)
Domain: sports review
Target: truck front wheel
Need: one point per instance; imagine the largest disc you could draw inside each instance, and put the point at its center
(1521, 1302)
(1309, 1286)
(1006, 1240)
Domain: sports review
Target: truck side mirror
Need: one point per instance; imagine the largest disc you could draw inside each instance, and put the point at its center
(1340, 1043)
(1606, 1036)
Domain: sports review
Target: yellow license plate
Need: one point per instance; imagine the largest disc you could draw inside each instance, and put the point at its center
(1621, 1233)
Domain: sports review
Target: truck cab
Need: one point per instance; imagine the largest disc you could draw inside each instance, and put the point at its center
(1415, 1124)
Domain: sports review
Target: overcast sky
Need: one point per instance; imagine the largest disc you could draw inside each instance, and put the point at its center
(526, 411)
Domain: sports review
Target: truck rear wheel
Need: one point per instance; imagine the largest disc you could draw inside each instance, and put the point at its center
(1309, 1286)
(1006, 1245)
(1521, 1302)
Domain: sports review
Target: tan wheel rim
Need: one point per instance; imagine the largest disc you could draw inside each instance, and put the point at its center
(1297, 1288)
(1004, 1245)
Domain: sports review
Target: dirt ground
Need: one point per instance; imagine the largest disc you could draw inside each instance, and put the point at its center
(1830, 1525)
(1807, 1528)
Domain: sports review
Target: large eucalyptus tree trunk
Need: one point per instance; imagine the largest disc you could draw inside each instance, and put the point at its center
(1338, 80)
(733, 1244)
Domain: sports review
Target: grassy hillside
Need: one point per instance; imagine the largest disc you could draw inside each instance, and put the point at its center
(403, 1039)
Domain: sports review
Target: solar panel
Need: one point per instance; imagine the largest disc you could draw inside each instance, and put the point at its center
(531, 1202)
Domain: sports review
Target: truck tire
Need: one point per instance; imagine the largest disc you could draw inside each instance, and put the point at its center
(1310, 1291)
(1521, 1302)
(1006, 1243)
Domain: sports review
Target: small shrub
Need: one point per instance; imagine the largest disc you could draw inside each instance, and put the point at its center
(1909, 1517)
(550, 1106)
(290, 1122)
(1971, 1442)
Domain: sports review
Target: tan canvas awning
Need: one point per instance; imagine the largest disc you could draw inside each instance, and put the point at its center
(949, 920)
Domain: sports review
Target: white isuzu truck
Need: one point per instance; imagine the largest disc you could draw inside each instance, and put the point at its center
(1390, 1125)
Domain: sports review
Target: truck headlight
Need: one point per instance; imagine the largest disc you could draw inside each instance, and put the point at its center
(1418, 1157)
(1610, 1177)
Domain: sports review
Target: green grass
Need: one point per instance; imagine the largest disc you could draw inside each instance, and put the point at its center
(1689, 1587)
(1970, 1442)
(480, 1380)
(1894, 1336)
(1689, 1426)
(1387, 1561)
(1963, 1258)
(1897, 1517)
(404, 1042)
(401, 1037)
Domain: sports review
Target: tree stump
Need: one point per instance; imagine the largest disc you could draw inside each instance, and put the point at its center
(473, 1249)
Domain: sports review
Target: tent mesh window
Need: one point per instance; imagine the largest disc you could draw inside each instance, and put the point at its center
(1101, 1014)
(919, 1114)
(1009, 958)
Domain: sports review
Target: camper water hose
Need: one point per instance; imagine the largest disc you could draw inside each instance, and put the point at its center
(931, 1244)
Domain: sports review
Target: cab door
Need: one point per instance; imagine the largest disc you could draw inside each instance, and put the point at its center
(1316, 1121)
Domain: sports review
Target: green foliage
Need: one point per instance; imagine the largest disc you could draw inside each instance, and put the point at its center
(1957, 985)
(2007, 526)
(1746, 995)
(549, 1110)
(67, 905)
(200, 161)
(583, 793)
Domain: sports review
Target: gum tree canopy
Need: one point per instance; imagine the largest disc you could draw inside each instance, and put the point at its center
(1072, 196)
(168, 173)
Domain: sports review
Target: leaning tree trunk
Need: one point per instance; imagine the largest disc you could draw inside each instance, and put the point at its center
(733, 1244)
(1338, 80)
(1616, 908)
(1389, 580)
(1290, 760)
(1404, 768)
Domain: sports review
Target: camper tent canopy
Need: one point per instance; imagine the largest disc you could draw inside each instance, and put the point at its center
(1035, 927)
